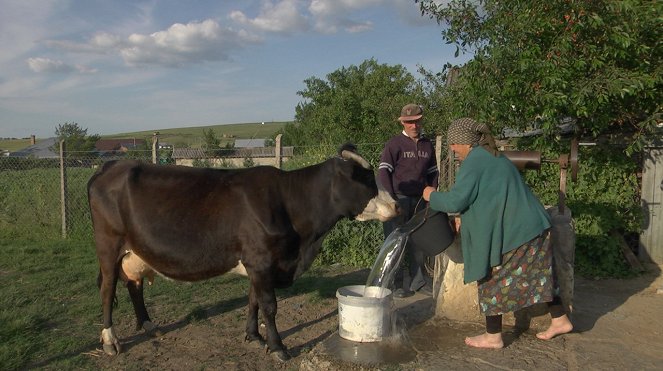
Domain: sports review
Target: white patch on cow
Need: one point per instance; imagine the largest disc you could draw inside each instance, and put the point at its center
(136, 269)
(239, 269)
(108, 336)
(381, 207)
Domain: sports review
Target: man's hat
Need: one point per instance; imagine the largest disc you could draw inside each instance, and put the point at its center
(411, 112)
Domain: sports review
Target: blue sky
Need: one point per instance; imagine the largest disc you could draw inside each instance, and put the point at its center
(116, 66)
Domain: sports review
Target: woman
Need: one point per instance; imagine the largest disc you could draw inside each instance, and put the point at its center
(504, 231)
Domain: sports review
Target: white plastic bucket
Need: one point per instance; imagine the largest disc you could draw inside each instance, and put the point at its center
(364, 319)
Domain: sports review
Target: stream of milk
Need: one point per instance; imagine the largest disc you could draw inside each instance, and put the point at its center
(390, 256)
(387, 262)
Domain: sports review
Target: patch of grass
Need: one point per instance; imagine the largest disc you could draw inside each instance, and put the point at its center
(13, 145)
(50, 310)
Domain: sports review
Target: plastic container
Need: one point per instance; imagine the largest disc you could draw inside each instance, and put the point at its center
(364, 318)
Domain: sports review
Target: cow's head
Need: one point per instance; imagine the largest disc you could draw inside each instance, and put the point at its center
(362, 189)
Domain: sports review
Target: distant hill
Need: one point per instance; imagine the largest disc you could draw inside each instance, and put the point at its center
(12, 145)
(193, 136)
(181, 137)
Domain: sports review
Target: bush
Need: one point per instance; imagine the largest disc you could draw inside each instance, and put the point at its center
(605, 199)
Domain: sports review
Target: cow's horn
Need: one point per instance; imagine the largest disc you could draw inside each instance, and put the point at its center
(349, 155)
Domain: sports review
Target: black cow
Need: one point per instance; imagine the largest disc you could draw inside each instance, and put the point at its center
(190, 224)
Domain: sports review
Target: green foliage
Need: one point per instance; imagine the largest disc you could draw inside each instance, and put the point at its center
(604, 199)
(359, 104)
(598, 62)
(77, 142)
(248, 162)
(212, 143)
(352, 243)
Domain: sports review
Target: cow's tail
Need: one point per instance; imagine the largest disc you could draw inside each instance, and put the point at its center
(99, 278)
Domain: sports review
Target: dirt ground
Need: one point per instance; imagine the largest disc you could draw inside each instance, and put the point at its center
(618, 325)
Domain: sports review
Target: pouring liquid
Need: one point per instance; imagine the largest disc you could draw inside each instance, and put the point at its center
(390, 255)
(387, 262)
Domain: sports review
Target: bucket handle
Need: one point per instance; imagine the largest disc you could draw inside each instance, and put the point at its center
(426, 209)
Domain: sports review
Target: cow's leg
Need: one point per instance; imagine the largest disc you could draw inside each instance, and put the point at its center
(109, 269)
(264, 291)
(252, 333)
(143, 321)
(111, 343)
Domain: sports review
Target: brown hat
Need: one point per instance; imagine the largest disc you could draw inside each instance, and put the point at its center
(411, 112)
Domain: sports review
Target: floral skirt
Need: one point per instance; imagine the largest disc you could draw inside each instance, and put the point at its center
(524, 278)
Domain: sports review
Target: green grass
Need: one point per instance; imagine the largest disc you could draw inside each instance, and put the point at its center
(50, 312)
(12, 145)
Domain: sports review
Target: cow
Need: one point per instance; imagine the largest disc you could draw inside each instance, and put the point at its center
(190, 224)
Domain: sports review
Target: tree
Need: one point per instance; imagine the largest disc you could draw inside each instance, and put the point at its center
(78, 143)
(212, 145)
(598, 62)
(356, 103)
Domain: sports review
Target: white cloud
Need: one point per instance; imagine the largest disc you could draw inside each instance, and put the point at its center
(46, 65)
(282, 17)
(179, 45)
(187, 43)
(330, 15)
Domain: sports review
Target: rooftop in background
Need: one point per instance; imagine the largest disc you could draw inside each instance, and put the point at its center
(41, 149)
(250, 143)
(107, 145)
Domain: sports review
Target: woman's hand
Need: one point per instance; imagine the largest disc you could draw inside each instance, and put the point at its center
(427, 191)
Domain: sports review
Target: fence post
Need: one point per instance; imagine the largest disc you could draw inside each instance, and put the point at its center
(155, 148)
(63, 189)
(277, 151)
(438, 156)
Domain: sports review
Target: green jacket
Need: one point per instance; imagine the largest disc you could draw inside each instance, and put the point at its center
(498, 211)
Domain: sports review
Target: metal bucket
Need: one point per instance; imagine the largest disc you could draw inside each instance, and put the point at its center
(430, 232)
(364, 318)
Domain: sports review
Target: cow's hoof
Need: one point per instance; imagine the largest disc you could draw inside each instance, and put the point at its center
(111, 344)
(112, 349)
(256, 341)
(151, 329)
(280, 355)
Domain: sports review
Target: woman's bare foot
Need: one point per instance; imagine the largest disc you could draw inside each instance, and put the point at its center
(486, 340)
(558, 326)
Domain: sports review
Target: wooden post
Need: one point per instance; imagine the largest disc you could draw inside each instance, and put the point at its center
(155, 148)
(438, 156)
(63, 190)
(277, 152)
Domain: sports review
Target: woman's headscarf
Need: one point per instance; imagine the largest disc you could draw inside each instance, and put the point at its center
(468, 131)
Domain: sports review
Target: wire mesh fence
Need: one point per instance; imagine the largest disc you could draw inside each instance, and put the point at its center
(47, 198)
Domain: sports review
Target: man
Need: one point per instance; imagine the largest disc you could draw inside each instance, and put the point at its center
(407, 166)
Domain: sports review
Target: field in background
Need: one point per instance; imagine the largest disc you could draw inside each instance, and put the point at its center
(193, 136)
(180, 137)
(12, 145)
